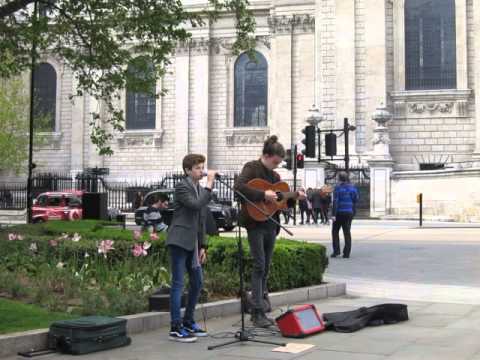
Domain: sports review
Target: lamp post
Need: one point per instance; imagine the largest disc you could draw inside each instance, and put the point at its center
(31, 116)
(314, 120)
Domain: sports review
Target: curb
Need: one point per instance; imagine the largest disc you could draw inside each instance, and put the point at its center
(11, 344)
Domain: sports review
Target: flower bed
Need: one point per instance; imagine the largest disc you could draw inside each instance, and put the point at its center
(88, 267)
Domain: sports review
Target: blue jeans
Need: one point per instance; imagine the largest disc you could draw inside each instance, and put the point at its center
(181, 260)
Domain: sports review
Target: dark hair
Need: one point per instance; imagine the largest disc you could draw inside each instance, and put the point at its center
(158, 197)
(191, 160)
(272, 147)
(343, 176)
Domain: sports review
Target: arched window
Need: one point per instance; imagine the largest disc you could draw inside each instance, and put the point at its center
(430, 50)
(251, 91)
(141, 106)
(44, 97)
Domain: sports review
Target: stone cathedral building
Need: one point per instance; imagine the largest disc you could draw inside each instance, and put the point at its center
(419, 59)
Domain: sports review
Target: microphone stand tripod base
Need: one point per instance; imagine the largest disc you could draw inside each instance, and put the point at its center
(242, 336)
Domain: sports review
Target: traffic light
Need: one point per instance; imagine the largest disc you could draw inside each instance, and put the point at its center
(330, 144)
(288, 159)
(309, 141)
(300, 161)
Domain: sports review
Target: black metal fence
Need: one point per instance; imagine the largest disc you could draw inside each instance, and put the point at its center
(121, 194)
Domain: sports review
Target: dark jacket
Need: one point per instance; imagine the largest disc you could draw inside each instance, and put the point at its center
(316, 199)
(189, 216)
(253, 170)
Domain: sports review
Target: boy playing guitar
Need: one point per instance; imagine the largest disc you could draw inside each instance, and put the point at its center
(261, 234)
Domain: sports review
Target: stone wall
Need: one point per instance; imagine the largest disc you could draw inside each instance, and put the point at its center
(452, 194)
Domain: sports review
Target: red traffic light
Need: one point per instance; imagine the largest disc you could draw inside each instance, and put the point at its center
(300, 157)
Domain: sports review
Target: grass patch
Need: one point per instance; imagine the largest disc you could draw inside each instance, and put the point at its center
(16, 316)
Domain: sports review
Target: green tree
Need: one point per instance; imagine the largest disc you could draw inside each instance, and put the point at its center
(99, 38)
(14, 124)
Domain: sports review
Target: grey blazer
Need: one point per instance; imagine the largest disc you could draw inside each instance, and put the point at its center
(189, 216)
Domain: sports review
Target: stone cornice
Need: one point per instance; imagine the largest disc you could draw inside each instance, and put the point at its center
(297, 23)
(426, 103)
(216, 45)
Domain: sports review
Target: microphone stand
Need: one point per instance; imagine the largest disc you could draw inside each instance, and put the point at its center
(242, 335)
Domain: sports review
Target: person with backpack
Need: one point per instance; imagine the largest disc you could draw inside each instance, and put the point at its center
(345, 198)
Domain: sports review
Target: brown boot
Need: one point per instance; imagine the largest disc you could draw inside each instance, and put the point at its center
(260, 320)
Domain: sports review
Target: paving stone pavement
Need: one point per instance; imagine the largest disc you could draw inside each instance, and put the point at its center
(435, 331)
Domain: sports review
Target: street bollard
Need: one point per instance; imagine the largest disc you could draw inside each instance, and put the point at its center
(420, 205)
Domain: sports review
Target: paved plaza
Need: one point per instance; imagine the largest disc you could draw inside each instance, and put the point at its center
(434, 270)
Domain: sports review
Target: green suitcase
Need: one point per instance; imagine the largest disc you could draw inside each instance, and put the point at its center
(88, 334)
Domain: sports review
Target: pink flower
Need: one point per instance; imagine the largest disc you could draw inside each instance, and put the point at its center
(12, 236)
(136, 234)
(53, 243)
(105, 246)
(138, 250)
(153, 236)
(141, 249)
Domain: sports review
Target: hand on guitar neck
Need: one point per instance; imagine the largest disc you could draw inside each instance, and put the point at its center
(276, 196)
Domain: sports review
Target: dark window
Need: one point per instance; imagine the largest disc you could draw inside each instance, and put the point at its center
(430, 51)
(140, 104)
(42, 201)
(45, 97)
(251, 91)
(54, 201)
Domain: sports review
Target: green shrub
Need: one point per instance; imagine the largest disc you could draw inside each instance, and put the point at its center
(75, 273)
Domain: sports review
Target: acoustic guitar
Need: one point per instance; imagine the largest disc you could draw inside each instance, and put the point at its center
(283, 193)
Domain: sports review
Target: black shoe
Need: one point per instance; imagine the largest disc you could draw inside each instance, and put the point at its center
(346, 256)
(180, 334)
(334, 255)
(194, 329)
(260, 320)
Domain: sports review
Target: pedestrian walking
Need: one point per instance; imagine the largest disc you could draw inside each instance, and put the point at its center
(316, 204)
(305, 209)
(325, 202)
(345, 198)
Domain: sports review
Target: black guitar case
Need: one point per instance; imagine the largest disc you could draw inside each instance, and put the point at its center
(350, 321)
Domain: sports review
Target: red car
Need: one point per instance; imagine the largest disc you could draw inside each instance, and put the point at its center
(57, 206)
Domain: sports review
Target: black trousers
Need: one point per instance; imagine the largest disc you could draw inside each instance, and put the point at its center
(302, 214)
(344, 221)
(262, 241)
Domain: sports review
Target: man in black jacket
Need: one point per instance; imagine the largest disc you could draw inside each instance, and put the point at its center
(261, 235)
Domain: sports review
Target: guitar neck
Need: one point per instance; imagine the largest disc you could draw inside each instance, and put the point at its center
(288, 195)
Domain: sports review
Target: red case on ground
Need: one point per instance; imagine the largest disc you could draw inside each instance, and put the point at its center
(300, 322)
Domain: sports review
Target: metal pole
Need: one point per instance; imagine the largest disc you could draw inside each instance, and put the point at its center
(319, 140)
(347, 155)
(295, 182)
(30, 138)
(420, 204)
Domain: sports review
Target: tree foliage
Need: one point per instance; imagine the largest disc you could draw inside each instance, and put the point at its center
(98, 39)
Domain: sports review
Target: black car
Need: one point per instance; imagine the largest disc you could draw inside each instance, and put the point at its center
(225, 215)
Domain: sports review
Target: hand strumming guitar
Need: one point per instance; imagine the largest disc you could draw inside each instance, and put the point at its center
(270, 196)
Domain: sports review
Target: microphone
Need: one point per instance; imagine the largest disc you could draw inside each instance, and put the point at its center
(217, 175)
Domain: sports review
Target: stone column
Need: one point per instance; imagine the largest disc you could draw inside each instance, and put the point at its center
(476, 20)
(375, 45)
(79, 119)
(345, 65)
(182, 90)
(280, 122)
(198, 115)
(381, 165)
